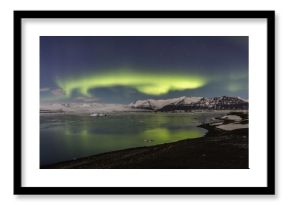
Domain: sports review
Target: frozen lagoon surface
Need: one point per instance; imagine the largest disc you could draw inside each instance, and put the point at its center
(67, 137)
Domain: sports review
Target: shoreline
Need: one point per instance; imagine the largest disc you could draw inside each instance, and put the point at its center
(137, 111)
(217, 149)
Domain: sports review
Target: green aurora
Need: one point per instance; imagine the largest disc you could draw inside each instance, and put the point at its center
(146, 83)
(123, 69)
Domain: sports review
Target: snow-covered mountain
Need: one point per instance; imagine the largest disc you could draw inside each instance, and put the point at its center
(158, 104)
(181, 103)
(192, 103)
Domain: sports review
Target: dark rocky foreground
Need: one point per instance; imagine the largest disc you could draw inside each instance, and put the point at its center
(218, 149)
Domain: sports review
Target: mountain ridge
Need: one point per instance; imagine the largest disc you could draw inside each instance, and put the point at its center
(173, 104)
(192, 103)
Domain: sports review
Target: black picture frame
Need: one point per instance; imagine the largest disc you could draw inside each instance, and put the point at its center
(269, 189)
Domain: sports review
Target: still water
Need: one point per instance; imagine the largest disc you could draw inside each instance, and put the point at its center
(67, 137)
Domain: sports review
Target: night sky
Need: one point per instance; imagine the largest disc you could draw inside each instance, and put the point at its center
(122, 69)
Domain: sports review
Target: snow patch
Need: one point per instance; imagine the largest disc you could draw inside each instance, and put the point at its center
(232, 126)
(217, 123)
(232, 117)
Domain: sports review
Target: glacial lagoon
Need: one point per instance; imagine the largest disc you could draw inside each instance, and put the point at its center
(67, 137)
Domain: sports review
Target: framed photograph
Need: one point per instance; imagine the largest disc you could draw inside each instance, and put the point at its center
(144, 102)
